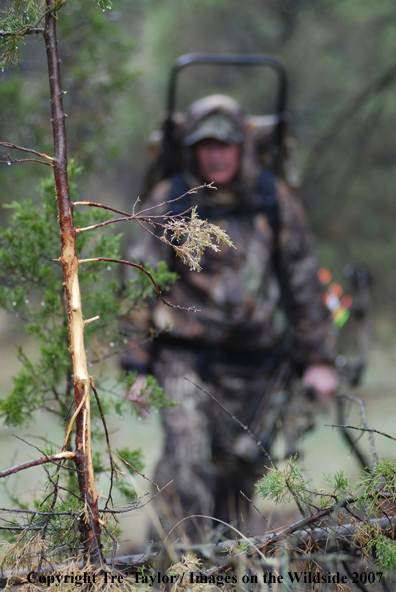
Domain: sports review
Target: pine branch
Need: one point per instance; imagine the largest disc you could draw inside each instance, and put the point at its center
(10, 161)
(23, 31)
(36, 463)
(140, 216)
(30, 150)
(92, 204)
(146, 272)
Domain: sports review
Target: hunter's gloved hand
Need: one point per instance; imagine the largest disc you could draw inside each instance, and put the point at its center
(139, 395)
(323, 378)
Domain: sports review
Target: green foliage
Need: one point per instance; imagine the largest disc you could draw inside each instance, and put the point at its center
(21, 16)
(284, 485)
(151, 396)
(97, 76)
(374, 494)
(384, 550)
(134, 458)
(15, 20)
(329, 68)
(62, 528)
(378, 488)
(134, 463)
(105, 4)
(32, 291)
(338, 483)
(96, 54)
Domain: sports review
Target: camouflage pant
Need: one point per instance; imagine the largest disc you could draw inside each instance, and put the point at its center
(204, 446)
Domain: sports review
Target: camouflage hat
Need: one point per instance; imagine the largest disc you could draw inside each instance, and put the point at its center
(218, 126)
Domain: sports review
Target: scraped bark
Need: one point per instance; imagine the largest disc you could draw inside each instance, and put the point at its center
(91, 525)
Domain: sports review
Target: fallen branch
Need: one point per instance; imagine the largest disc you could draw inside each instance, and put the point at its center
(340, 537)
(225, 554)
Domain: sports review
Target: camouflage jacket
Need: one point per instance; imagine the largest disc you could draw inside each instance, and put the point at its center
(238, 292)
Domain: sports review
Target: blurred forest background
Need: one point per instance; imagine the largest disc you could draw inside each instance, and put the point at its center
(340, 56)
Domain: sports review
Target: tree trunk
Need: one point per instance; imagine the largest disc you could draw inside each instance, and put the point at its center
(91, 527)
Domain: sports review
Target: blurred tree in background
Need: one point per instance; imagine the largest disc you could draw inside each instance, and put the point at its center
(98, 74)
(340, 60)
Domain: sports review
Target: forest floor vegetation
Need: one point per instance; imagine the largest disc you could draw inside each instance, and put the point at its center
(324, 449)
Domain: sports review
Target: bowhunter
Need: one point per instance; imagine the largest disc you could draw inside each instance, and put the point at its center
(234, 344)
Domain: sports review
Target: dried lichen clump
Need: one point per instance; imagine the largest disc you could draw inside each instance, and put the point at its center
(198, 235)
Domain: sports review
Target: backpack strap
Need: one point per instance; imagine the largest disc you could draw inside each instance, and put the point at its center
(179, 188)
(268, 204)
(269, 200)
